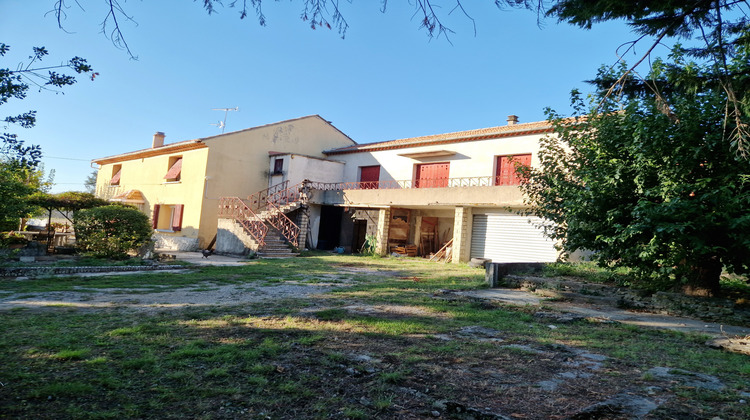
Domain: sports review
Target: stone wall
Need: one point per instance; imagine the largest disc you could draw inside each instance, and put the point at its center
(175, 243)
(677, 304)
(50, 271)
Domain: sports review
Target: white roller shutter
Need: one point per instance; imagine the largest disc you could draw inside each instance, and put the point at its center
(509, 237)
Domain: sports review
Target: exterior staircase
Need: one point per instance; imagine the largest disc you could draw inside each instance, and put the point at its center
(262, 216)
(275, 246)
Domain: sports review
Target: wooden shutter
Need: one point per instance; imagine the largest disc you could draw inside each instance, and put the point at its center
(116, 178)
(155, 222)
(174, 171)
(432, 175)
(369, 177)
(177, 217)
(506, 174)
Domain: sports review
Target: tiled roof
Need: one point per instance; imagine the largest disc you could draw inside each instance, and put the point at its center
(144, 153)
(196, 144)
(459, 136)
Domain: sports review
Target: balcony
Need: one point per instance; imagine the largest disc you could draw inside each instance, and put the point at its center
(442, 193)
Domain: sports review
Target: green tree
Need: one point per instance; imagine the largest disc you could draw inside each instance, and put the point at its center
(14, 84)
(20, 175)
(90, 182)
(111, 231)
(659, 192)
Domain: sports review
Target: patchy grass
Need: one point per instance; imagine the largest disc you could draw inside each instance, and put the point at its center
(375, 348)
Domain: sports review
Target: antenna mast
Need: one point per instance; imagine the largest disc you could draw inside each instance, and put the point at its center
(223, 124)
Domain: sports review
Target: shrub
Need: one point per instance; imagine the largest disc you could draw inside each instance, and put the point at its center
(111, 231)
(10, 238)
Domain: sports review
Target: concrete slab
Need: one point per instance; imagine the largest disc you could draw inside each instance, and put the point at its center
(214, 259)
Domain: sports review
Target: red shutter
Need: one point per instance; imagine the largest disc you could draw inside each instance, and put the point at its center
(505, 173)
(174, 171)
(369, 177)
(177, 217)
(155, 222)
(116, 178)
(432, 175)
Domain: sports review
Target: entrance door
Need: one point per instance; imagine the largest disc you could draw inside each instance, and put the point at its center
(360, 235)
(432, 175)
(330, 227)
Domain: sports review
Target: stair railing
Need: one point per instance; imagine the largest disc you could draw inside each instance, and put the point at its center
(258, 200)
(287, 195)
(286, 227)
(235, 208)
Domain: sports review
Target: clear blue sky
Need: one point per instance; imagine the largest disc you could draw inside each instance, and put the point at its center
(385, 80)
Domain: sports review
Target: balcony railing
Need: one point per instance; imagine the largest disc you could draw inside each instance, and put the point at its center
(476, 181)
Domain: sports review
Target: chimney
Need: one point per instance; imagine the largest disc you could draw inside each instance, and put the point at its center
(512, 119)
(158, 140)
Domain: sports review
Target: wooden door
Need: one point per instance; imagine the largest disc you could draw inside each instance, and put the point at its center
(369, 177)
(432, 175)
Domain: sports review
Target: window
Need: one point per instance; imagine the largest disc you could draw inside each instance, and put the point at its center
(174, 173)
(116, 173)
(168, 217)
(278, 166)
(505, 172)
(432, 175)
(369, 177)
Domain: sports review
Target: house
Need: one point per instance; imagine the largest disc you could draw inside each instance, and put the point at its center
(179, 185)
(456, 191)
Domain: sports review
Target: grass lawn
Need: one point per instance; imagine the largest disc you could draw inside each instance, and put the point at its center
(386, 343)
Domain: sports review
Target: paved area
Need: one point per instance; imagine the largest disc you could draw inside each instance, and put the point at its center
(213, 259)
(609, 313)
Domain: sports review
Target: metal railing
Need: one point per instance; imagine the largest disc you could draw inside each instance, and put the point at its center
(258, 200)
(476, 181)
(286, 227)
(235, 208)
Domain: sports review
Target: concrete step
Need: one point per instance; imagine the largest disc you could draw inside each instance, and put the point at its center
(272, 256)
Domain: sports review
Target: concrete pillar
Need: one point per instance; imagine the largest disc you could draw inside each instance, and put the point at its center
(462, 235)
(384, 224)
(303, 220)
(417, 229)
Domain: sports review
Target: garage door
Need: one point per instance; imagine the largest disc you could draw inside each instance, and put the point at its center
(508, 237)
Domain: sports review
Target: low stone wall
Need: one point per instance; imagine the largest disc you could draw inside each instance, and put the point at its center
(51, 271)
(175, 243)
(677, 304)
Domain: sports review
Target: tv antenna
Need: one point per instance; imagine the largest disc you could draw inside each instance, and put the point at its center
(223, 124)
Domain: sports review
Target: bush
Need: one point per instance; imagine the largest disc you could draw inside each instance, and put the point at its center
(10, 238)
(111, 231)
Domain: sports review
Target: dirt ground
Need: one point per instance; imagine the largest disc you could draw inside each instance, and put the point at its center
(502, 378)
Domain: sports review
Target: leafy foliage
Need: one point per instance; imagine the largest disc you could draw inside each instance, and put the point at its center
(658, 191)
(111, 231)
(14, 84)
(67, 201)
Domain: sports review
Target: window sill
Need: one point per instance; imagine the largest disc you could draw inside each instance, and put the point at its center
(172, 182)
(165, 230)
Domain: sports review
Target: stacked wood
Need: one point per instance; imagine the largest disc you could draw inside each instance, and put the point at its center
(407, 251)
(445, 253)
